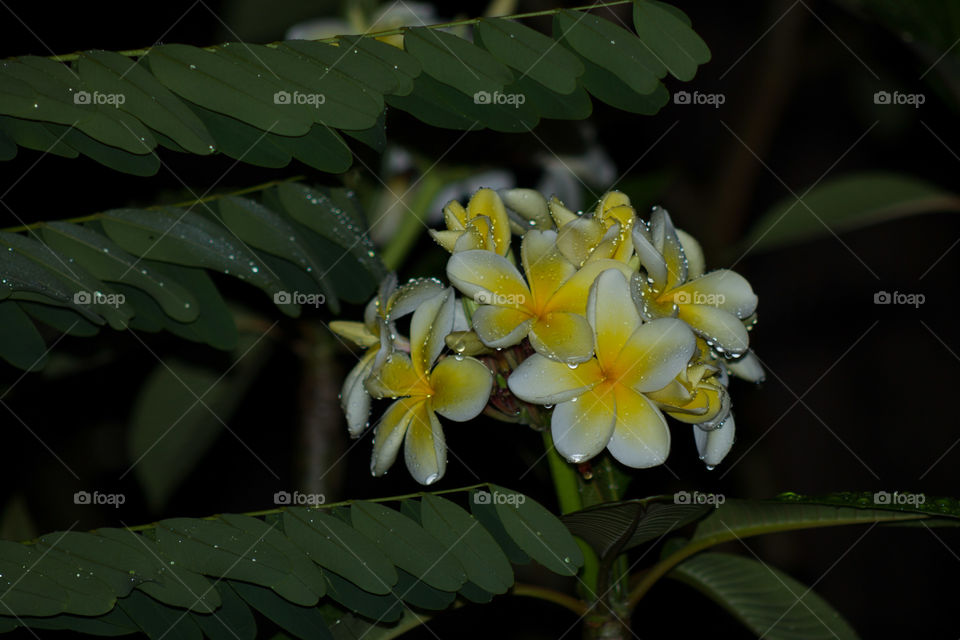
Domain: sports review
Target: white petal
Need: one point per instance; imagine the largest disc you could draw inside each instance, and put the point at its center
(410, 296)
(486, 273)
(389, 433)
(529, 204)
(500, 327)
(543, 381)
(665, 239)
(650, 258)
(747, 368)
(724, 289)
(425, 449)
(641, 438)
(722, 330)
(713, 446)
(461, 388)
(354, 397)
(655, 354)
(429, 327)
(581, 427)
(694, 252)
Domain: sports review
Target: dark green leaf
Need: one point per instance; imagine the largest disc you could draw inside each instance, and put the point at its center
(321, 149)
(403, 66)
(537, 531)
(20, 343)
(455, 62)
(767, 601)
(533, 54)
(408, 545)
(573, 106)
(348, 63)
(380, 608)
(35, 135)
(484, 511)
(63, 319)
(241, 141)
(303, 622)
(336, 546)
(420, 594)
(232, 621)
(670, 38)
(157, 620)
(612, 90)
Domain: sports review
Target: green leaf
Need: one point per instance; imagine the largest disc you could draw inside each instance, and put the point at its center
(107, 261)
(346, 626)
(232, 621)
(455, 62)
(611, 47)
(336, 546)
(422, 104)
(114, 623)
(419, 594)
(20, 343)
(484, 511)
(190, 239)
(408, 545)
(620, 526)
(8, 148)
(403, 66)
(381, 608)
(36, 272)
(573, 106)
(533, 54)
(303, 622)
(243, 142)
(670, 38)
(321, 149)
(86, 593)
(375, 137)
(62, 319)
(29, 592)
(537, 531)
(214, 548)
(117, 159)
(60, 97)
(144, 98)
(181, 410)
(348, 63)
(767, 601)
(157, 620)
(221, 83)
(478, 553)
(845, 203)
(35, 135)
(607, 87)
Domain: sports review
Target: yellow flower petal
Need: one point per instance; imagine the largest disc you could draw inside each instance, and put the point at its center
(649, 256)
(486, 273)
(355, 332)
(612, 314)
(694, 252)
(461, 388)
(608, 245)
(396, 378)
(545, 267)
(500, 327)
(530, 205)
(722, 330)
(389, 433)
(543, 381)
(560, 214)
(486, 202)
(455, 216)
(430, 324)
(572, 295)
(562, 336)
(655, 354)
(611, 200)
(665, 239)
(471, 238)
(581, 427)
(425, 449)
(641, 438)
(577, 239)
(354, 397)
(446, 239)
(723, 289)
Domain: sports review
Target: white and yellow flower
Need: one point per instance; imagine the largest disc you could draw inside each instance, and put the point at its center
(484, 224)
(602, 403)
(378, 336)
(672, 283)
(549, 310)
(604, 235)
(456, 387)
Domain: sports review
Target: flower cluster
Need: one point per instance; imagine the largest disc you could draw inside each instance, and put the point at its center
(609, 320)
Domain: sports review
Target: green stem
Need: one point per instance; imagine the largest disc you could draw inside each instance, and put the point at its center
(136, 53)
(414, 221)
(564, 477)
(543, 593)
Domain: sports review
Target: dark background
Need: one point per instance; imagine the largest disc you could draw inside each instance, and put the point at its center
(858, 396)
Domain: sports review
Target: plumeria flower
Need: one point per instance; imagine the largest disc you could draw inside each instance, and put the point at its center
(528, 208)
(604, 234)
(602, 403)
(714, 445)
(484, 224)
(378, 336)
(456, 387)
(549, 310)
(672, 283)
